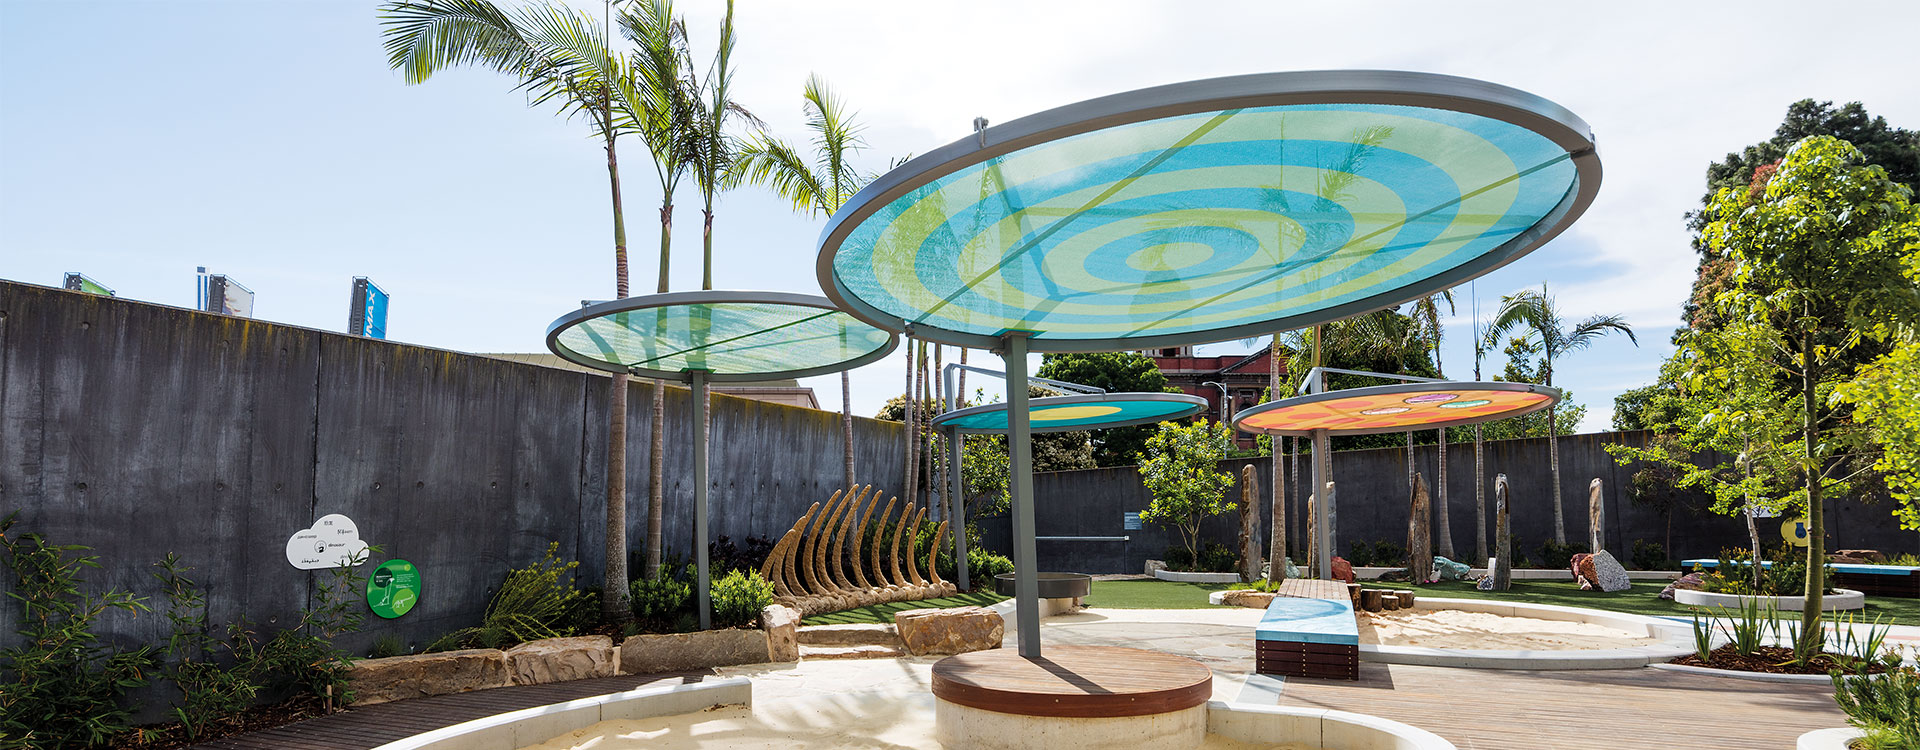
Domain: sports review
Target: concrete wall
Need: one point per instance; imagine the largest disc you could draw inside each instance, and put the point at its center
(140, 430)
(1372, 500)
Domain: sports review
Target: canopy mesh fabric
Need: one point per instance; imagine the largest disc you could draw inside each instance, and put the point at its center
(1194, 223)
(723, 338)
(1391, 412)
(1081, 413)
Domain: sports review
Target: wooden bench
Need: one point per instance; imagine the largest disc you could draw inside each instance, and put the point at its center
(1309, 631)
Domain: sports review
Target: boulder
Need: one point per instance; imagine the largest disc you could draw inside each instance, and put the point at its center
(782, 626)
(1246, 598)
(1690, 582)
(949, 631)
(1448, 570)
(420, 675)
(1609, 574)
(1857, 556)
(674, 652)
(1153, 565)
(561, 659)
(1342, 570)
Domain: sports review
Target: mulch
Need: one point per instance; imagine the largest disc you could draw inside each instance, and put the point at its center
(174, 735)
(1772, 660)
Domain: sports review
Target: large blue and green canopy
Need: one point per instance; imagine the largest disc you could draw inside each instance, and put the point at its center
(1210, 210)
(1090, 411)
(730, 336)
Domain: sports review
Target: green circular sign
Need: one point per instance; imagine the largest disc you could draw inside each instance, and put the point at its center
(393, 588)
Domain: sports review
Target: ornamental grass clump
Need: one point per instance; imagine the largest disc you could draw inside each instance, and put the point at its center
(535, 602)
(1885, 706)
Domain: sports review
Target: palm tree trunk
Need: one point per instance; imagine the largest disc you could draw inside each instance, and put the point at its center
(657, 432)
(1479, 497)
(614, 606)
(1277, 477)
(706, 247)
(1442, 527)
(1553, 458)
(941, 480)
(846, 425)
(906, 415)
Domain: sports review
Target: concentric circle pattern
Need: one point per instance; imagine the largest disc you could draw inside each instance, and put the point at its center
(1079, 412)
(1200, 223)
(1396, 408)
(744, 338)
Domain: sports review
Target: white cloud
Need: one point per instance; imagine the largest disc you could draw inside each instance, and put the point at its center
(330, 542)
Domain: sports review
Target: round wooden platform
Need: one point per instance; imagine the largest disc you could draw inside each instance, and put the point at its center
(1073, 681)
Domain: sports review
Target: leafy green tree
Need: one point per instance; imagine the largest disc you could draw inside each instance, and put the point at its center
(1538, 314)
(1824, 252)
(1118, 372)
(1181, 468)
(562, 57)
(1886, 401)
(815, 185)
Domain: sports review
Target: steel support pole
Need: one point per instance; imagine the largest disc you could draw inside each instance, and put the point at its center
(956, 441)
(699, 381)
(1322, 533)
(1026, 580)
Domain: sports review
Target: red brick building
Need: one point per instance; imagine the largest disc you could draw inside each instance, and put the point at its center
(1244, 376)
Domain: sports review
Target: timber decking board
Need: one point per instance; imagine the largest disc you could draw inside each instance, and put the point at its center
(1073, 681)
(1314, 588)
(1487, 709)
(375, 725)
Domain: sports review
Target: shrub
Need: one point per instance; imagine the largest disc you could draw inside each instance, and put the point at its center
(738, 598)
(1359, 554)
(217, 677)
(1389, 554)
(1216, 558)
(723, 556)
(387, 646)
(67, 688)
(535, 602)
(1887, 706)
(303, 656)
(983, 564)
(1557, 556)
(1786, 575)
(662, 602)
(1177, 558)
(1650, 555)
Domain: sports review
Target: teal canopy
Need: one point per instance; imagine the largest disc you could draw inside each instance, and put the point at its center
(1079, 412)
(1210, 210)
(729, 335)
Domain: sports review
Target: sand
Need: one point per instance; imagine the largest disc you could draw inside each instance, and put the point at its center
(1448, 628)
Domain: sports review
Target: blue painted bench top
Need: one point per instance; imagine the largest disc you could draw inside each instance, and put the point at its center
(1308, 621)
(1878, 570)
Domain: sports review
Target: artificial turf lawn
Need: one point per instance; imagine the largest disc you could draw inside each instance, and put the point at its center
(1643, 598)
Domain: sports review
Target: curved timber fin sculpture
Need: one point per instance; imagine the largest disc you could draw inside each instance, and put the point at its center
(809, 565)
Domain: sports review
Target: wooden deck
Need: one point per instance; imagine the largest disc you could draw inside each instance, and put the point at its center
(372, 726)
(1314, 588)
(1073, 681)
(1485, 709)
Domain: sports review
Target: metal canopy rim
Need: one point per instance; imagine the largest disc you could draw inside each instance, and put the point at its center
(1403, 88)
(1553, 398)
(1194, 405)
(707, 297)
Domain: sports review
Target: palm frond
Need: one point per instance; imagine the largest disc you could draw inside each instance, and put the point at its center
(777, 166)
(1587, 331)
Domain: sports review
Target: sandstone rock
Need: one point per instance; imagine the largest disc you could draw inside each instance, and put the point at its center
(561, 659)
(420, 675)
(1153, 565)
(949, 631)
(1690, 581)
(782, 626)
(1858, 556)
(1448, 570)
(1342, 570)
(648, 654)
(1247, 598)
(1609, 574)
(1582, 568)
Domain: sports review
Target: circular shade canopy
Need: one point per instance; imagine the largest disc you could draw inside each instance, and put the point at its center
(1396, 408)
(732, 336)
(1210, 210)
(1089, 411)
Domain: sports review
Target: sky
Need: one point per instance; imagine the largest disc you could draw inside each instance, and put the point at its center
(269, 141)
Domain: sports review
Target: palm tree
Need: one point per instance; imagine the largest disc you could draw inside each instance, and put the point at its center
(819, 185)
(1479, 441)
(560, 56)
(663, 116)
(715, 148)
(1428, 329)
(1537, 313)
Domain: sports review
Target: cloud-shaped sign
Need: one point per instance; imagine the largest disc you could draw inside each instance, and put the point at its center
(331, 542)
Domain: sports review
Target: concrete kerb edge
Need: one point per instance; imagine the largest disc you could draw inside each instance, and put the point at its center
(1267, 724)
(516, 729)
(1829, 739)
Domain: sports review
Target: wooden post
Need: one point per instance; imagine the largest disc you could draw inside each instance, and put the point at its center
(1405, 598)
(1419, 533)
(1370, 599)
(1502, 536)
(1388, 602)
(1595, 513)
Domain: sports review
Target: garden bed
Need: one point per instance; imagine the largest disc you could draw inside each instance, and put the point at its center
(1770, 660)
(1838, 600)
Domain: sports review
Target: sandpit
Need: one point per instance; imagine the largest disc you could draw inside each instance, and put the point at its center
(1456, 629)
(853, 720)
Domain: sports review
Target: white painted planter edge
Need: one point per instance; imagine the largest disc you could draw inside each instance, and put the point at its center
(1841, 600)
(1171, 575)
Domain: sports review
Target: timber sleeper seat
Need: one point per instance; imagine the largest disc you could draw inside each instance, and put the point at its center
(1309, 630)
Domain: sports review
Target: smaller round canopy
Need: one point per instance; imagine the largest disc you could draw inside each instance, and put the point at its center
(1402, 407)
(1089, 411)
(729, 335)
